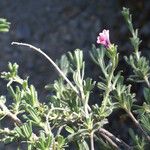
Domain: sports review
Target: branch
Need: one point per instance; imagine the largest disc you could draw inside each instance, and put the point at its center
(110, 141)
(10, 114)
(14, 118)
(114, 138)
(50, 60)
(138, 125)
(92, 140)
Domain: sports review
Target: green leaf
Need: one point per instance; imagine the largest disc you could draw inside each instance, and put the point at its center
(69, 129)
(34, 116)
(64, 65)
(145, 120)
(34, 96)
(83, 145)
(24, 131)
(146, 92)
(61, 141)
(88, 84)
(4, 25)
(76, 60)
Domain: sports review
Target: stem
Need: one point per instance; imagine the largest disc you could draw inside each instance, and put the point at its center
(84, 101)
(105, 100)
(47, 125)
(86, 110)
(147, 81)
(114, 138)
(10, 114)
(137, 54)
(81, 90)
(110, 141)
(50, 60)
(92, 140)
(14, 118)
(138, 125)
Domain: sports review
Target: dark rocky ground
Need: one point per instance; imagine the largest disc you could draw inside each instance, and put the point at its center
(58, 26)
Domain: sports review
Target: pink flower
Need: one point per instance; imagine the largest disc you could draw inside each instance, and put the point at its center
(103, 38)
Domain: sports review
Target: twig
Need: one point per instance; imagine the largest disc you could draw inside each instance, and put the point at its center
(114, 138)
(110, 141)
(10, 114)
(14, 118)
(50, 60)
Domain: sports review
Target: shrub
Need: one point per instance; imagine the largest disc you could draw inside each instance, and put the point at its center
(68, 120)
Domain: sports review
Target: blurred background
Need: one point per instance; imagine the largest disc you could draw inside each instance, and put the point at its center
(58, 26)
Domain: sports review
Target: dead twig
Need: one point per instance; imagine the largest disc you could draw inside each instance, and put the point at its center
(114, 138)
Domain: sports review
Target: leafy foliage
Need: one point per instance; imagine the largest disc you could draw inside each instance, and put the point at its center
(67, 120)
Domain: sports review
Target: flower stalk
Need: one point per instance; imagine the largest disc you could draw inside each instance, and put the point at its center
(104, 40)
